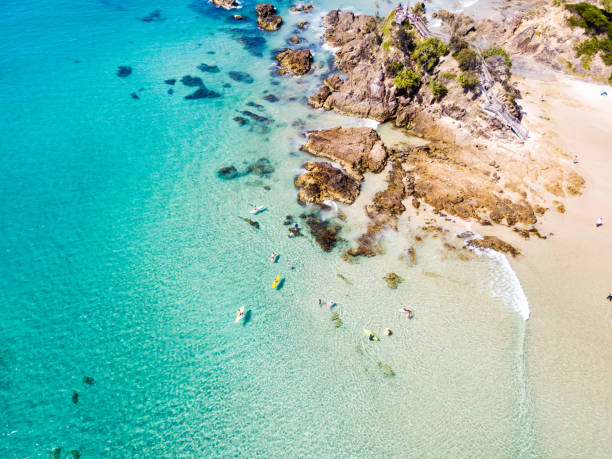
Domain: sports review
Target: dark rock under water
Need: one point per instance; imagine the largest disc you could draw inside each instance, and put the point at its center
(153, 16)
(325, 232)
(192, 81)
(203, 93)
(209, 68)
(124, 71)
(243, 77)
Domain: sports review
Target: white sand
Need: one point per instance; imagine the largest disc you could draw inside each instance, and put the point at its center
(568, 276)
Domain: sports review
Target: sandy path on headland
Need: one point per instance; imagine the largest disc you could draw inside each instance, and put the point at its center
(567, 277)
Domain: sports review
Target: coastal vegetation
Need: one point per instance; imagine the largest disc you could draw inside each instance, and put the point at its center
(407, 78)
(597, 23)
(497, 51)
(467, 59)
(468, 80)
(428, 53)
(438, 89)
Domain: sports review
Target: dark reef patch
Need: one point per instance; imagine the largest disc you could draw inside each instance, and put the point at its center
(192, 81)
(209, 68)
(124, 71)
(270, 98)
(153, 16)
(203, 93)
(324, 231)
(170, 81)
(243, 77)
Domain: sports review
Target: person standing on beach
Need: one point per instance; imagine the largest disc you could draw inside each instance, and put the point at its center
(319, 302)
(609, 297)
(599, 222)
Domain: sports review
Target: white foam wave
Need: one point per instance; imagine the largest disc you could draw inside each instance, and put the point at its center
(504, 284)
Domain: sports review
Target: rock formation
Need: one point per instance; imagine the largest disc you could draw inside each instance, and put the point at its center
(227, 4)
(322, 182)
(267, 18)
(358, 149)
(294, 61)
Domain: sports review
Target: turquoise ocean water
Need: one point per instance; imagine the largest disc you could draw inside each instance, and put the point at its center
(124, 259)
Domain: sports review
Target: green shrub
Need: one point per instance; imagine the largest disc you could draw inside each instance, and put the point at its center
(405, 39)
(428, 53)
(387, 45)
(407, 79)
(589, 17)
(448, 76)
(456, 44)
(468, 80)
(467, 59)
(395, 67)
(438, 89)
(497, 51)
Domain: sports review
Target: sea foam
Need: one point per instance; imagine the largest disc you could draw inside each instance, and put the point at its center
(503, 282)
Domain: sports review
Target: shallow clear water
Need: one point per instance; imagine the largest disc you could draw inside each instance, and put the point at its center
(124, 258)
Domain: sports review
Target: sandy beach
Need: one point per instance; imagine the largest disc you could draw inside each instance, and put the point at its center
(568, 276)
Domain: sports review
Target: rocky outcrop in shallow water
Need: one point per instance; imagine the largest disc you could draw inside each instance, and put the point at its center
(294, 61)
(227, 4)
(322, 182)
(494, 243)
(267, 18)
(358, 149)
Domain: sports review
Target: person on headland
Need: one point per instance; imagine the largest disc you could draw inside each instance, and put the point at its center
(599, 222)
(609, 297)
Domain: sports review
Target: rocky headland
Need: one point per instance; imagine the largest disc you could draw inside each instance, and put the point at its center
(477, 163)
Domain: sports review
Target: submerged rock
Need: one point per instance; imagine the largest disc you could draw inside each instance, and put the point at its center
(170, 81)
(240, 120)
(267, 18)
(153, 16)
(89, 380)
(393, 280)
(191, 81)
(256, 117)
(322, 182)
(324, 232)
(295, 61)
(243, 77)
(253, 223)
(209, 68)
(303, 25)
(255, 105)
(203, 93)
(261, 167)
(124, 71)
(270, 98)
(134, 96)
(357, 149)
(253, 44)
(75, 397)
(228, 172)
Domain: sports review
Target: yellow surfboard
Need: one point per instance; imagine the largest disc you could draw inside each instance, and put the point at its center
(276, 281)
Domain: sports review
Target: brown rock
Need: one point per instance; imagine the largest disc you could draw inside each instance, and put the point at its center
(294, 39)
(325, 182)
(227, 4)
(301, 7)
(318, 99)
(416, 203)
(302, 25)
(267, 18)
(494, 243)
(393, 280)
(357, 149)
(295, 61)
